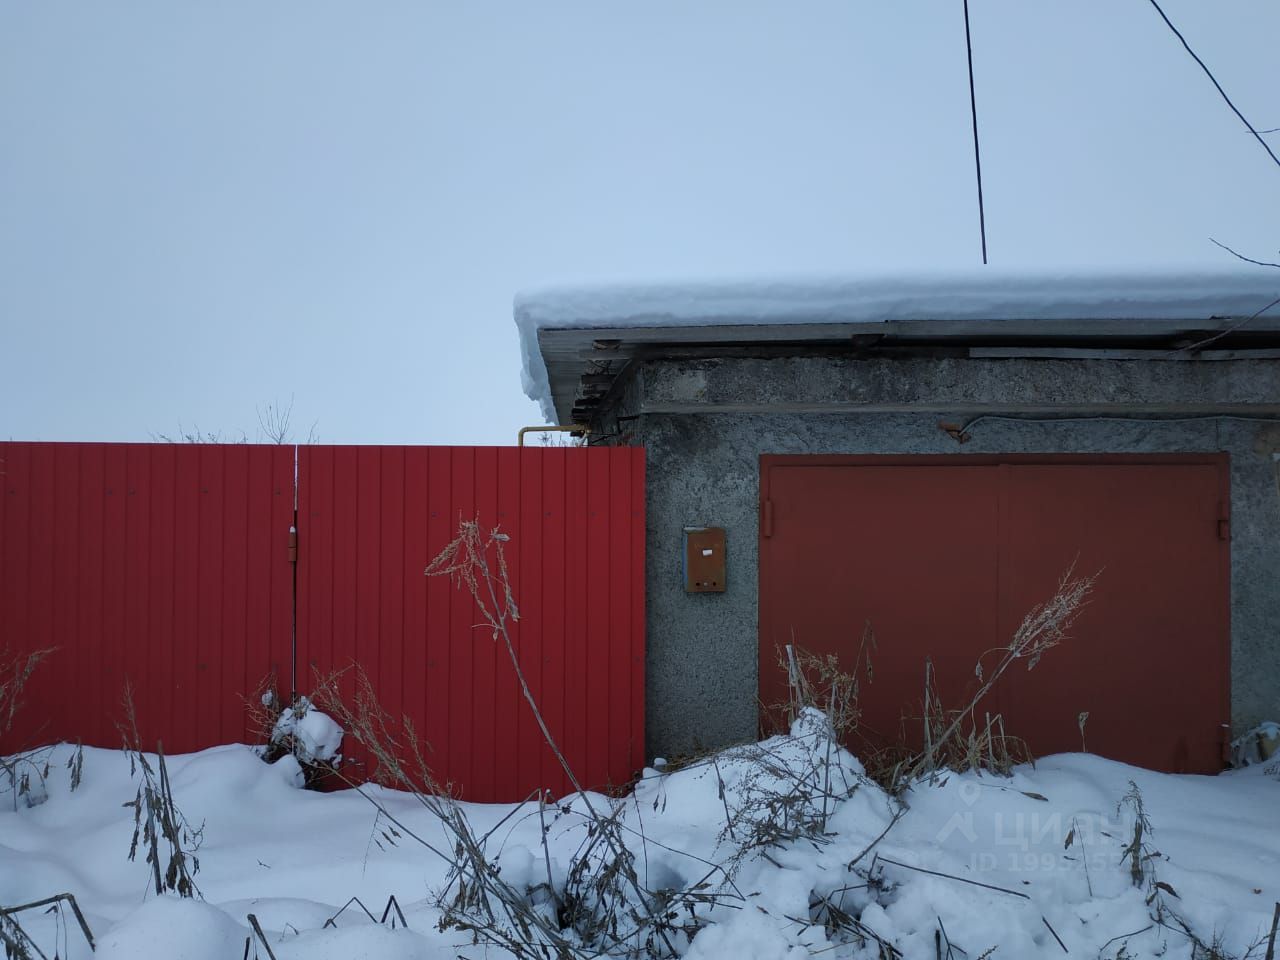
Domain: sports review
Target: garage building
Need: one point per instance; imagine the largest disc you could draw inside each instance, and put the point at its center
(929, 455)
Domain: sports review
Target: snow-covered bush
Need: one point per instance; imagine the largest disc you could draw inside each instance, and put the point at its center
(306, 735)
(309, 735)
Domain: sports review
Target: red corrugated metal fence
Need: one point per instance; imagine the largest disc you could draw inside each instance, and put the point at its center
(162, 564)
(169, 565)
(371, 518)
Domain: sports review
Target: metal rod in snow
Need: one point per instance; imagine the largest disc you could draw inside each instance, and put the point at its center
(977, 154)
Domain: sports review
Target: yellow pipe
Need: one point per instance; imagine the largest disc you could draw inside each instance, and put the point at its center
(524, 430)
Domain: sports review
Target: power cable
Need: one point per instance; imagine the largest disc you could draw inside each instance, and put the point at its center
(1208, 73)
(973, 112)
(960, 433)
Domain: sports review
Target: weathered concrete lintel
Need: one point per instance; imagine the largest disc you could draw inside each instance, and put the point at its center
(572, 353)
(847, 384)
(1154, 411)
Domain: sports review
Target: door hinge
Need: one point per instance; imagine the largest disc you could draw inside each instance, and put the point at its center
(766, 519)
(1224, 520)
(293, 544)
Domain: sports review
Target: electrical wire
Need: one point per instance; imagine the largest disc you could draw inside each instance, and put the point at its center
(977, 154)
(1208, 73)
(961, 433)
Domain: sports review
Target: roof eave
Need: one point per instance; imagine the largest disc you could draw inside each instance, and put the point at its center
(579, 360)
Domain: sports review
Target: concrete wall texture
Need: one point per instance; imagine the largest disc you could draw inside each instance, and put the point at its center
(706, 423)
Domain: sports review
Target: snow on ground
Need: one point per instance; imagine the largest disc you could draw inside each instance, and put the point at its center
(991, 294)
(293, 858)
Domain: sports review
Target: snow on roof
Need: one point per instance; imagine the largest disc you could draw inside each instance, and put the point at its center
(988, 294)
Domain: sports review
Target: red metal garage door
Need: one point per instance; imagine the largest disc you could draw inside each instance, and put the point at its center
(945, 555)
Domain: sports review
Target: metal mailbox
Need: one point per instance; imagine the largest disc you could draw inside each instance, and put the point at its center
(704, 560)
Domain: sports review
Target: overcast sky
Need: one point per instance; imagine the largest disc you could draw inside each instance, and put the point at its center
(208, 206)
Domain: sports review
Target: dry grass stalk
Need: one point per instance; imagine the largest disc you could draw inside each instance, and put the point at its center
(157, 821)
(465, 560)
(27, 770)
(475, 898)
(821, 683)
(1161, 896)
(956, 740)
(27, 773)
(783, 790)
(19, 945)
(15, 670)
(602, 907)
(262, 709)
(607, 875)
(787, 795)
(1042, 629)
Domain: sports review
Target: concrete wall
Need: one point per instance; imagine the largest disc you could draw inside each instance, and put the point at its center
(703, 468)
